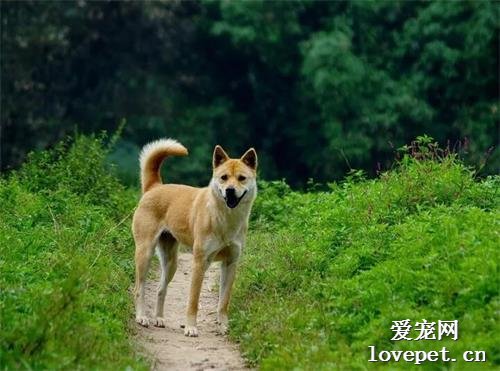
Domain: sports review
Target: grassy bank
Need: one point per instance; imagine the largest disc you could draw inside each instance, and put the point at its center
(325, 273)
(66, 263)
(323, 277)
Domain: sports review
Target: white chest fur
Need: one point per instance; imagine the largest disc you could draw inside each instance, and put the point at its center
(229, 225)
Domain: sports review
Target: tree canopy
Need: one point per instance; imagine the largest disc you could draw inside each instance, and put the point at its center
(316, 87)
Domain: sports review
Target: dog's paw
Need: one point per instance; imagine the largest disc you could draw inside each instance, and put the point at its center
(191, 331)
(142, 320)
(159, 322)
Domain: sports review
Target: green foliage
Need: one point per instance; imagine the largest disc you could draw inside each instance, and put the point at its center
(79, 168)
(65, 258)
(317, 87)
(325, 273)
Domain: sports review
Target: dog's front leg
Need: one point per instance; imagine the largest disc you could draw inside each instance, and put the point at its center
(200, 265)
(227, 275)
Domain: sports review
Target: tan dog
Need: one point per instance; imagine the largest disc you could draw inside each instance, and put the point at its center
(213, 220)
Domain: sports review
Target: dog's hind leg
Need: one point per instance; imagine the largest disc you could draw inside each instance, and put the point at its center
(145, 241)
(167, 253)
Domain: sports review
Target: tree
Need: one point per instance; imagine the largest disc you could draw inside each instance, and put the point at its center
(316, 87)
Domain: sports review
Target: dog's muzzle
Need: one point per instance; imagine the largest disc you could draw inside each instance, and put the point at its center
(231, 200)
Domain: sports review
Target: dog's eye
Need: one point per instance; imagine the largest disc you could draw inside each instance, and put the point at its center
(224, 177)
(241, 178)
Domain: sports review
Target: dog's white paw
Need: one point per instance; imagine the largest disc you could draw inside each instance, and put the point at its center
(159, 322)
(191, 331)
(142, 320)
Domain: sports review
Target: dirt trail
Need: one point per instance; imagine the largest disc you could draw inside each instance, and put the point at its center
(169, 347)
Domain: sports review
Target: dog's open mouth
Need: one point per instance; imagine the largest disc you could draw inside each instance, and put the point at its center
(232, 201)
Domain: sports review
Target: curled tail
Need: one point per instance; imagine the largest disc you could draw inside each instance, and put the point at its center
(152, 155)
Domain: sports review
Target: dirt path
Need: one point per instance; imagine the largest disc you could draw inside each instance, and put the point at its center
(168, 346)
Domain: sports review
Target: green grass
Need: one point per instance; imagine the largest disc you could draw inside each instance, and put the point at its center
(325, 273)
(66, 263)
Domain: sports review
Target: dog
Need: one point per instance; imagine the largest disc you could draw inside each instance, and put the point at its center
(212, 220)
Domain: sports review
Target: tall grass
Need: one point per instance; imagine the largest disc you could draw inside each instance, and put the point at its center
(66, 262)
(326, 273)
(323, 276)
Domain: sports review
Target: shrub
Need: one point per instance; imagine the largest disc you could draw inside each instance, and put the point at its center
(325, 273)
(66, 262)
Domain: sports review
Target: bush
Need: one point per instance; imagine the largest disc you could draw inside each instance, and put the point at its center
(66, 262)
(325, 273)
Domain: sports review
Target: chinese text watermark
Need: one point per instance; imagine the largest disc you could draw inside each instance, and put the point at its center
(405, 330)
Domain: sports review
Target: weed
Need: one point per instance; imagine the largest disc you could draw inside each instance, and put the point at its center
(325, 273)
(66, 262)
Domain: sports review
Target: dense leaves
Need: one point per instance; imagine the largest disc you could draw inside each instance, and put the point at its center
(316, 87)
(66, 263)
(326, 273)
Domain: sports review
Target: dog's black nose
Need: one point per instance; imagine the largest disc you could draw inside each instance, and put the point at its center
(230, 192)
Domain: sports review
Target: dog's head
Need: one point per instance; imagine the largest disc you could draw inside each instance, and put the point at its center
(234, 180)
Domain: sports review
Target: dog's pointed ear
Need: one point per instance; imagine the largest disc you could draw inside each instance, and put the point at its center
(250, 158)
(219, 157)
